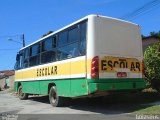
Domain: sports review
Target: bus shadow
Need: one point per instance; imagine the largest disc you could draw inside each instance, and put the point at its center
(111, 104)
(41, 99)
(116, 104)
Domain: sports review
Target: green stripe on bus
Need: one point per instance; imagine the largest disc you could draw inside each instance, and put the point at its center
(65, 87)
(114, 84)
(80, 87)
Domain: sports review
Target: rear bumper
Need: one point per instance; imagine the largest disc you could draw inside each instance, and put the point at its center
(104, 85)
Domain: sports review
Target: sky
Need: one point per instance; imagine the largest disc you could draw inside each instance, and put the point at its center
(33, 18)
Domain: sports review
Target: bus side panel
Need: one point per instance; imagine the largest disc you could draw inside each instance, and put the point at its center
(18, 75)
(41, 86)
(30, 87)
(63, 86)
(16, 86)
(78, 76)
(79, 87)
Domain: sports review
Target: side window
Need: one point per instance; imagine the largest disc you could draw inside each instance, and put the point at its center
(19, 61)
(54, 41)
(76, 45)
(48, 56)
(73, 34)
(34, 55)
(68, 51)
(26, 58)
(48, 50)
(62, 38)
(47, 44)
(83, 35)
(34, 50)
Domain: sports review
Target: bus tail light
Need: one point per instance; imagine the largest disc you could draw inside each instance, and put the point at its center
(95, 67)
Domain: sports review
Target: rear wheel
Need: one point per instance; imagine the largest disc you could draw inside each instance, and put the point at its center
(54, 99)
(21, 95)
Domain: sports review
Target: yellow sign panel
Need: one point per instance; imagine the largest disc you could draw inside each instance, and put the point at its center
(109, 64)
(54, 70)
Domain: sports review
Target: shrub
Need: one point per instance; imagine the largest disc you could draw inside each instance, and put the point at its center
(152, 65)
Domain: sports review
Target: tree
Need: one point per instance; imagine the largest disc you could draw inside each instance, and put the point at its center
(152, 65)
(155, 34)
(143, 36)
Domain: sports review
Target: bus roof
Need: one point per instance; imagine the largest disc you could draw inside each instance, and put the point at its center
(80, 20)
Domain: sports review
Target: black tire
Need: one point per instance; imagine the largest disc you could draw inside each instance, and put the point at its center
(21, 95)
(55, 100)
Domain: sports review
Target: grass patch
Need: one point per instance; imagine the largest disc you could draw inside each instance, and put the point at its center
(142, 102)
(154, 110)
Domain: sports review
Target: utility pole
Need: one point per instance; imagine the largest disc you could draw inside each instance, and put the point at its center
(23, 40)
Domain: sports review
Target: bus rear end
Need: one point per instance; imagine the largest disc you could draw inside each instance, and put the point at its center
(115, 56)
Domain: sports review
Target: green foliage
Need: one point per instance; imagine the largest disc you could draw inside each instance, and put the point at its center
(143, 36)
(149, 110)
(152, 34)
(156, 34)
(152, 62)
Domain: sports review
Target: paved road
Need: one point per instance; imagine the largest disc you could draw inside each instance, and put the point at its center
(38, 108)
